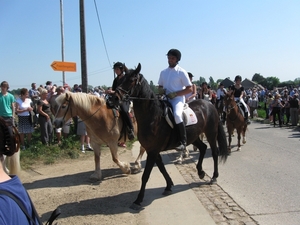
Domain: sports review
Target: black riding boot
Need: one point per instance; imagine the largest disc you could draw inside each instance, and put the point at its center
(130, 128)
(182, 136)
(246, 118)
(128, 122)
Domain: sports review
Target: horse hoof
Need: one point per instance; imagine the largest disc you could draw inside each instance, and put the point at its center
(239, 149)
(136, 207)
(213, 181)
(244, 142)
(201, 174)
(95, 177)
(167, 192)
(135, 170)
(185, 155)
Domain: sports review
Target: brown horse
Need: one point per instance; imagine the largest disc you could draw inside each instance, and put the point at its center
(234, 120)
(102, 126)
(156, 135)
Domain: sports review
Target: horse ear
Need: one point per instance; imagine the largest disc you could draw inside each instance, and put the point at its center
(138, 69)
(68, 94)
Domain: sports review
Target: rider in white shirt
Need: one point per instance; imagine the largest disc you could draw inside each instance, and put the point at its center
(175, 82)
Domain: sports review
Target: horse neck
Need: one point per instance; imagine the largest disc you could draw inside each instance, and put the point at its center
(146, 104)
(79, 110)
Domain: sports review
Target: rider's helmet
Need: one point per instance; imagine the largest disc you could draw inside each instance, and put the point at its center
(118, 65)
(238, 77)
(175, 52)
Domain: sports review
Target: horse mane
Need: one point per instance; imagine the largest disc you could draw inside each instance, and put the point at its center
(149, 94)
(82, 99)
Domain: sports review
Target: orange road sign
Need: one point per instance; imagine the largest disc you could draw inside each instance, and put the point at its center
(64, 66)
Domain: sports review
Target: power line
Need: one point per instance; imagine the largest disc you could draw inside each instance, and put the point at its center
(102, 33)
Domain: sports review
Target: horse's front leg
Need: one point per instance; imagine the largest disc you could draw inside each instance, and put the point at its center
(244, 134)
(124, 166)
(151, 158)
(97, 175)
(137, 164)
(239, 141)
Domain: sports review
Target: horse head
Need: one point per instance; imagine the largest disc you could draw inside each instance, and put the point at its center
(63, 113)
(229, 101)
(133, 78)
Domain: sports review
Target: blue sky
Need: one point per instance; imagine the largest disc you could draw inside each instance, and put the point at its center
(216, 38)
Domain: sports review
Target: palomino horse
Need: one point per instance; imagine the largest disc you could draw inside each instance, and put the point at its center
(156, 135)
(9, 148)
(234, 120)
(102, 125)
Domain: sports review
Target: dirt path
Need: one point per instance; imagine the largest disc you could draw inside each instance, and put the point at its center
(66, 184)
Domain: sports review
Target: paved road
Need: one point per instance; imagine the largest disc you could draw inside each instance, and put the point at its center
(263, 178)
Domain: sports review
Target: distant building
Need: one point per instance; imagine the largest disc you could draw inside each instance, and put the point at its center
(227, 82)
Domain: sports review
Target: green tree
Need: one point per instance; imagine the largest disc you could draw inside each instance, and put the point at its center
(271, 82)
(201, 80)
(258, 78)
(212, 83)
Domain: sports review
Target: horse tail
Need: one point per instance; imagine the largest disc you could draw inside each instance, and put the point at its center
(13, 163)
(222, 143)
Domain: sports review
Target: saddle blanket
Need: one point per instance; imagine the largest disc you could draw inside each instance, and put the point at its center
(189, 116)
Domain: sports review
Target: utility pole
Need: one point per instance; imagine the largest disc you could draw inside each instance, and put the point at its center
(84, 79)
(62, 39)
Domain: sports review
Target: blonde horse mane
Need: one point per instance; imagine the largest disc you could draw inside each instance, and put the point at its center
(84, 100)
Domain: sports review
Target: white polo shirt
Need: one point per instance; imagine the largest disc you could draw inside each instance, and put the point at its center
(174, 79)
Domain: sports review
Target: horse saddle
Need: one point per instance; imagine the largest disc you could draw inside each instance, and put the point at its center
(189, 117)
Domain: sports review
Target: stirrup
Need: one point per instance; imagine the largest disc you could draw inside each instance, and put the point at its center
(181, 147)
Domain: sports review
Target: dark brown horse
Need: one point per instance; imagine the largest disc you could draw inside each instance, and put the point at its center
(156, 135)
(234, 120)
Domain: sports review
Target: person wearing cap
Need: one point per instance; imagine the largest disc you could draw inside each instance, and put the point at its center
(175, 83)
(120, 69)
(192, 95)
(239, 92)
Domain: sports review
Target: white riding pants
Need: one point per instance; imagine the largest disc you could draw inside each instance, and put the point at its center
(243, 102)
(177, 105)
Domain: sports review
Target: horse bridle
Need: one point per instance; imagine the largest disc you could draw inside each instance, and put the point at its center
(127, 94)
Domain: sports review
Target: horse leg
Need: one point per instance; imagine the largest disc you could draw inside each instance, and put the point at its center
(202, 148)
(97, 175)
(137, 164)
(124, 166)
(151, 158)
(212, 140)
(244, 134)
(164, 172)
(229, 139)
(239, 140)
